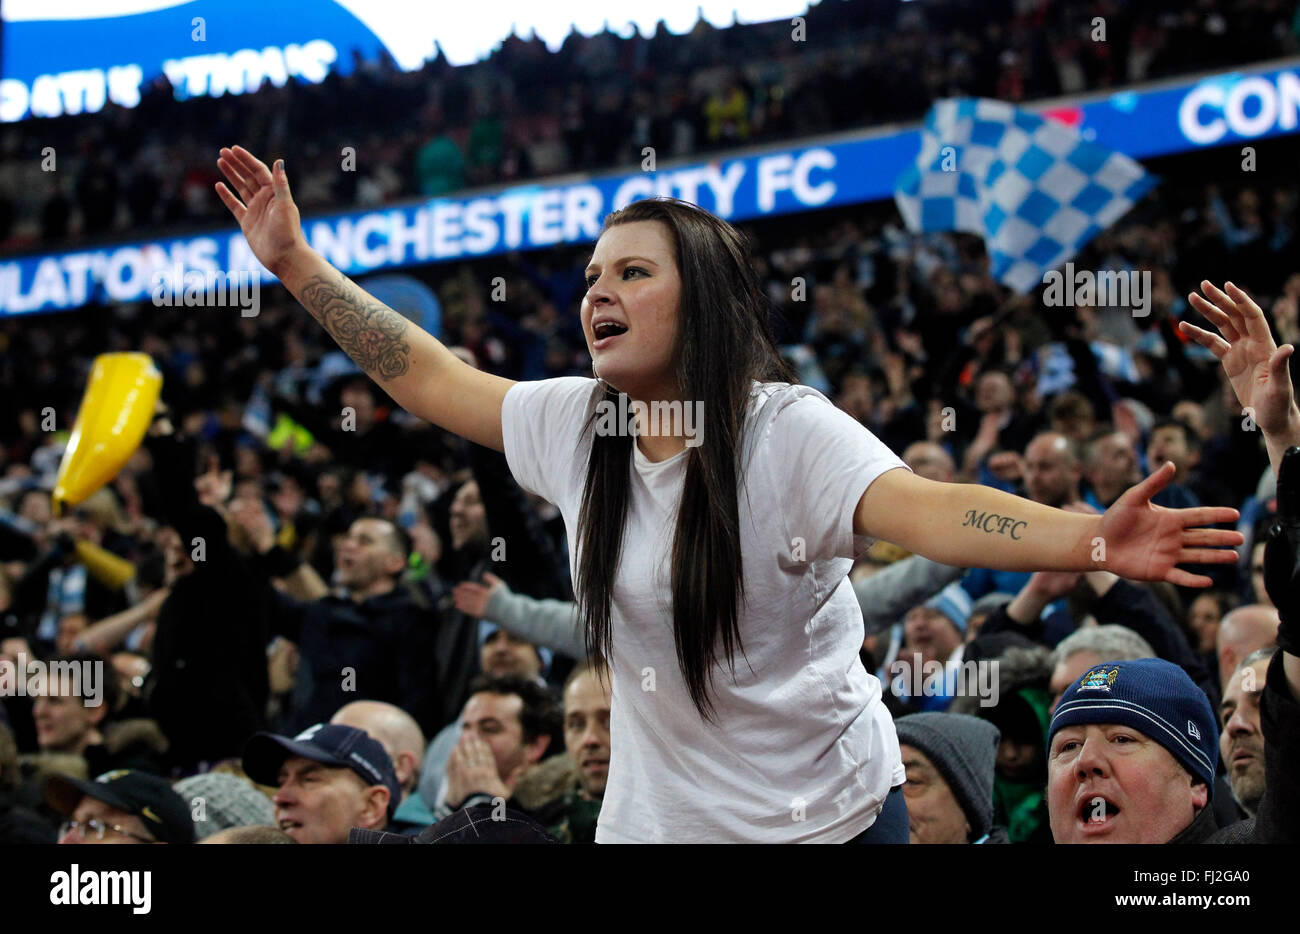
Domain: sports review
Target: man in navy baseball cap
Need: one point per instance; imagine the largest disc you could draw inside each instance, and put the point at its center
(1132, 751)
(329, 779)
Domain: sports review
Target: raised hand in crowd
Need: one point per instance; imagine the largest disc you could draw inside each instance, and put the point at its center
(1007, 466)
(1255, 365)
(473, 769)
(214, 485)
(472, 598)
(249, 516)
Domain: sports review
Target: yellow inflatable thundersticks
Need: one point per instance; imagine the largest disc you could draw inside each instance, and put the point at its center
(114, 415)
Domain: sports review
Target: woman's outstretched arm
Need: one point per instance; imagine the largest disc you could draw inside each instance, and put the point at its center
(407, 362)
(968, 525)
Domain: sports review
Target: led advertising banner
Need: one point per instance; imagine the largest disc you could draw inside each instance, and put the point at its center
(73, 56)
(846, 170)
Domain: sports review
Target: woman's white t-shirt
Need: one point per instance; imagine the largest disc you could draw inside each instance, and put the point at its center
(803, 748)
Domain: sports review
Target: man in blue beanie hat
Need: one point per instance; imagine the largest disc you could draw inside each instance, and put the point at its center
(1132, 752)
(1132, 747)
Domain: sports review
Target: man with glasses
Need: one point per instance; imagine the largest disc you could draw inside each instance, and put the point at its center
(123, 806)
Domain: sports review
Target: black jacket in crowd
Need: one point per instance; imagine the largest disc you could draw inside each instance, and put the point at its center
(19, 824)
(528, 561)
(208, 688)
(383, 648)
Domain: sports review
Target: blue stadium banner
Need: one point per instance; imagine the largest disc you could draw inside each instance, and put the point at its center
(848, 169)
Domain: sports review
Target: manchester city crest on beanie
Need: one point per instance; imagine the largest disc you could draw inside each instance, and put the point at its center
(1154, 697)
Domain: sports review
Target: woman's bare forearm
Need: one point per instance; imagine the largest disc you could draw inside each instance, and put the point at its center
(969, 525)
(378, 339)
(371, 333)
(407, 362)
(985, 527)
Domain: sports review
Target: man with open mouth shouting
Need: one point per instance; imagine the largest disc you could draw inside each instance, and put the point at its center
(1132, 755)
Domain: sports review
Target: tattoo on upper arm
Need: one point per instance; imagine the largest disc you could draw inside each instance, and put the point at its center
(371, 333)
(992, 522)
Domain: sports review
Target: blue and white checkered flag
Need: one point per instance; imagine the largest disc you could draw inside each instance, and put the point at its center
(1034, 189)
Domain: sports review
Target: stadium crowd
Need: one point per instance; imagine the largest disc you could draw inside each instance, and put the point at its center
(341, 617)
(526, 112)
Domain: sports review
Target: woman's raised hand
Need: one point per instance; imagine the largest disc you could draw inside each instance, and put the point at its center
(1141, 541)
(264, 207)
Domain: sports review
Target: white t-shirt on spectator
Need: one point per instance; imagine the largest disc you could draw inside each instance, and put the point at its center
(803, 748)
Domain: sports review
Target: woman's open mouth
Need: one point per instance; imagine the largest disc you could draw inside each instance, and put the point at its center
(605, 333)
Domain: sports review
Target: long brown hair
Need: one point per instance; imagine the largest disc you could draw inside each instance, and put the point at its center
(724, 343)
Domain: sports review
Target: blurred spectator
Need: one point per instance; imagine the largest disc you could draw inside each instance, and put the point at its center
(572, 818)
(74, 715)
(1204, 617)
(120, 807)
(949, 759)
(379, 642)
(1088, 648)
(207, 686)
(931, 461)
(18, 824)
(1110, 466)
(1245, 630)
(219, 802)
(1172, 440)
(1052, 470)
(933, 637)
(440, 167)
(1241, 744)
(1021, 717)
(509, 726)
(401, 738)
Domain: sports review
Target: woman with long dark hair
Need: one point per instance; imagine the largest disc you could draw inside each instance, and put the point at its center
(715, 510)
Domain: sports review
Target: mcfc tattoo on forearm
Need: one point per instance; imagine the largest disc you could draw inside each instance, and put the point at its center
(367, 331)
(993, 523)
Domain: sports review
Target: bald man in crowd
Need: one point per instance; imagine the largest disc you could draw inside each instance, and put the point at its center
(1243, 631)
(400, 735)
(1051, 473)
(1052, 470)
(1111, 466)
(931, 461)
